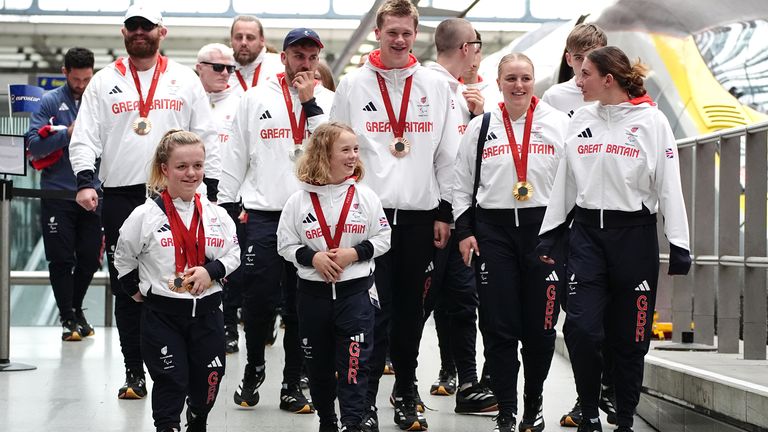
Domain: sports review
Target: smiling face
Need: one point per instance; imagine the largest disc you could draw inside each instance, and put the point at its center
(141, 43)
(343, 157)
(396, 37)
(516, 84)
(592, 84)
(184, 170)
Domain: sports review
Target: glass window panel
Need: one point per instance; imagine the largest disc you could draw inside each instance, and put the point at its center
(304, 7)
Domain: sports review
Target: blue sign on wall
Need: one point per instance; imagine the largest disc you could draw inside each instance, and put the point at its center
(51, 82)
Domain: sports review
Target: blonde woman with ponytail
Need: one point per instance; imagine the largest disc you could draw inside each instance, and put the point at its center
(620, 169)
(171, 254)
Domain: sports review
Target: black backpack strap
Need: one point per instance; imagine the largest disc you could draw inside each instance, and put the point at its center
(479, 156)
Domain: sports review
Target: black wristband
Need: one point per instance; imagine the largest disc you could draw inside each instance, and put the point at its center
(85, 180)
(215, 269)
(304, 256)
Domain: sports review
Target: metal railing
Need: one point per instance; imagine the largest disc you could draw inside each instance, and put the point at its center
(725, 294)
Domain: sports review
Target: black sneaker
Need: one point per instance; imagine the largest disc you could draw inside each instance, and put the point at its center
(592, 425)
(350, 428)
(388, 368)
(406, 416)
(624, 429)
(86, 329)
(135, 386)
(196, 422)
(232, 339)
(533, 414)
(70, 331)
(504, 423)
(247, 393)
(420, 407)
(292, 399)
(304, 380)
(370, 422)
(573, 417)
(476, 399)
(445, 385)
(170, 429)
(607, 403)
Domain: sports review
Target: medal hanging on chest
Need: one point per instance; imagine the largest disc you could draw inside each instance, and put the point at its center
(298, 127)
(188, 243)
(522, 190)
(142, 125)
(335, 241)
(400, 146)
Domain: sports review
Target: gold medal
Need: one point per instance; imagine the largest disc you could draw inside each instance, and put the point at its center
(400, 147)
(142, 126)
(522, 191)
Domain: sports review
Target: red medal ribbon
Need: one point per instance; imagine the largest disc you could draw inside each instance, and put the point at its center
(521, 160)
(398, 125)
(253, 81)
(335, 241)
(189, 252)
(145, 106)
(297, 128)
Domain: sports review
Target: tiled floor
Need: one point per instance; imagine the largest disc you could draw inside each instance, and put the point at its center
(75, 389)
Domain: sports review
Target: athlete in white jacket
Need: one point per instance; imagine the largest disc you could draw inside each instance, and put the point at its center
(127, 107)
(332, 230)
(521, 146)
(620, 169)
(256, 64)
(172, 252)
(270, 127)
(407, 129)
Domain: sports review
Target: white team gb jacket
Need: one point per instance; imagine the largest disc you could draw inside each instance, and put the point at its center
(420, 179)
(146, 243)
(565, 97)
(498, 174)
(223, 107)
(620, 157)
(110, 106)
(366, 220)
(257, 161)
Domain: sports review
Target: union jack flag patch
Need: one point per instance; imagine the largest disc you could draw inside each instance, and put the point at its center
(670, 154)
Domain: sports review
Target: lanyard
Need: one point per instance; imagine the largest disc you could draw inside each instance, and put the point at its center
(297, 128)
(253, 81)
(145, 106)
(335, 241)
(521, 160)
(189, 252)
(398, 125)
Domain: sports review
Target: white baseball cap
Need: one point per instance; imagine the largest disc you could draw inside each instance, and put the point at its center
(146, 11)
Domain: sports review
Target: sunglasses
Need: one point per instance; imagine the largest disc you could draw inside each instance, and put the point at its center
(134, 24)
(218, 67)
(478, 43)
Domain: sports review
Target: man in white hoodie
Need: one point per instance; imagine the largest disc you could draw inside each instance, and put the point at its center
(406, 124)
(247, 40)
(271, 123)
(215, 65)
(453, 293)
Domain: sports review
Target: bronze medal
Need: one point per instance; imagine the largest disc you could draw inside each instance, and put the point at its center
(522, 191)
(178, 285)
(400, 147)
(142, 126)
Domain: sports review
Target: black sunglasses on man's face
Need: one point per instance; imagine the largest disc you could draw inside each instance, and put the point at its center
(218, 67)
(133, 24)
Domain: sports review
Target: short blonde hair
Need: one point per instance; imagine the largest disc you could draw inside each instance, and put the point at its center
(314, 167)
(397, 8)
(172, 139)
